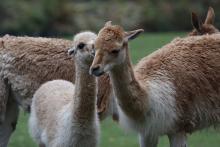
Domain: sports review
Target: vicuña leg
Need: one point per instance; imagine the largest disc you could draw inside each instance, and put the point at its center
(178, 140)
(4, 93)
(42, 145)
(9, 124)
(148, 141)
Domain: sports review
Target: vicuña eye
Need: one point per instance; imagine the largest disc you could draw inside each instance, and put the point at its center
(81, 45)
(116, 51)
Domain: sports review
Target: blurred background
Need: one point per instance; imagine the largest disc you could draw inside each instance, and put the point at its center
(65, 17)
(162, 20)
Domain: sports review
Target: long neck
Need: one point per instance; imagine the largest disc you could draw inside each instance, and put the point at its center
(85, 94)
(132, 97)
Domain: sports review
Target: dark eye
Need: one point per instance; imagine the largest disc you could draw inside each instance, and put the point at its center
(116, 51)
(81, 45)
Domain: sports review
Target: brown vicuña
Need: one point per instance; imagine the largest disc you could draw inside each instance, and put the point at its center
(173, 91)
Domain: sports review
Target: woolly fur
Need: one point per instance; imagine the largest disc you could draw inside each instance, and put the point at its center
(174, 90)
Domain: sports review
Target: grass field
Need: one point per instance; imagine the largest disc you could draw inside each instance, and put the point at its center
(111, 134)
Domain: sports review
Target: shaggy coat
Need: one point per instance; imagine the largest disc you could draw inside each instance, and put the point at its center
(173, 91)
(63, 114)
(25, 64)
(106, 104)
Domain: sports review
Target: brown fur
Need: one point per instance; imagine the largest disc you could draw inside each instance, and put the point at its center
(34, 52)
(84, 90)
(27, 62)
(104, 96)
(107, 41)
(191, 64)
(42, 59)
(27, 57)
(111, 35)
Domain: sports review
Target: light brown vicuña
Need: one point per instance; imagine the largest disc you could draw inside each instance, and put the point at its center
(106, 103)
(173, 91)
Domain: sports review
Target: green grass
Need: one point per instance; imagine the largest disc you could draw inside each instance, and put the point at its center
(111, 134)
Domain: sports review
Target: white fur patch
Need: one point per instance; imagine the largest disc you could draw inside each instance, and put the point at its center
(67, 131)
(70, 132)
(64, 128)
(34, 128)
(162, 112)
(44, 138)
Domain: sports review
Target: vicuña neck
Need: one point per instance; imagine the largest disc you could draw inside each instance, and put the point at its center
(85, 94)
(131, 96)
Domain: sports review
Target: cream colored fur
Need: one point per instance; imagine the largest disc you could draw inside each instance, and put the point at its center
(28, 62)
(63, 114)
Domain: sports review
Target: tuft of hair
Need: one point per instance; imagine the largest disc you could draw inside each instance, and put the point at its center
(84, 37)
(85, 34)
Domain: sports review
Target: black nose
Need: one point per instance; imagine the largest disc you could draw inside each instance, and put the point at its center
(96, 71)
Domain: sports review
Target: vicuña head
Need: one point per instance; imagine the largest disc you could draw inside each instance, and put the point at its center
(83, 47)
(203, 28)
(111, 48)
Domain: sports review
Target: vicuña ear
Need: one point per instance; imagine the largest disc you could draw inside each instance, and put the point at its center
(133, 34)
(108, 23)
(210, 18)
(196, 22)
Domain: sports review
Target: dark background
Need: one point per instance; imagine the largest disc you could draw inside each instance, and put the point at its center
(65, 17)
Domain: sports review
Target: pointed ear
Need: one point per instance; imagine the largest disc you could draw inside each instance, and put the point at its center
(210, 18)
(196, 22)
(133, 34)
(108, 23)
